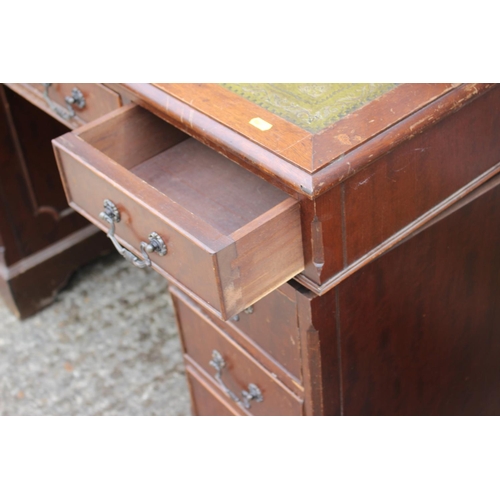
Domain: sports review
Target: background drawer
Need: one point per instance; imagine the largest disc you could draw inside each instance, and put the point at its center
(231, 237)
(97, 100)
(200, 337)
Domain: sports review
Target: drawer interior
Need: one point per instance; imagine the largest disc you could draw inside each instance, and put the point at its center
(208, 185)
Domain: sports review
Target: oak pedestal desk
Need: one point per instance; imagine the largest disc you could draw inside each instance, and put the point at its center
(330, 249)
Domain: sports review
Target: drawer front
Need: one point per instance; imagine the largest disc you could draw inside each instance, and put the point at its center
(206, 400)
(272, 324)
(229, 255)
(231, 368)
(71, 103)
(268, 330)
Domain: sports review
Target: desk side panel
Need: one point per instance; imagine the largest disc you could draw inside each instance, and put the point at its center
(420, 325)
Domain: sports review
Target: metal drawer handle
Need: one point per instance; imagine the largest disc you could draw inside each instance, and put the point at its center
(253, 393)
(111, 215)
(76, 98)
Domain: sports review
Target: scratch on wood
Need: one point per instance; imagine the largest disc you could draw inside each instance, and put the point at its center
(364, 181)
(416, 125)
(399, 169)
(349, 168)
(290, 146)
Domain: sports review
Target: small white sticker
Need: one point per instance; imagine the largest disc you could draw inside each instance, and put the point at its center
(260, 124)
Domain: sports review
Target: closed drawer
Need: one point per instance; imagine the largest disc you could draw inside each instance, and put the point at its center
(230, 237)
(231, 368)
(206, 400)
(268, 330)
(74, 104)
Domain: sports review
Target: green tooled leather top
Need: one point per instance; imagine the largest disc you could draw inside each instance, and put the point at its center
(311, 106)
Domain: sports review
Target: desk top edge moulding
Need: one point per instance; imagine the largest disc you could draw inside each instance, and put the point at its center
(295, 159)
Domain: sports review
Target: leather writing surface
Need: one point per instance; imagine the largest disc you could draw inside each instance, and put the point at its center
(311, 106)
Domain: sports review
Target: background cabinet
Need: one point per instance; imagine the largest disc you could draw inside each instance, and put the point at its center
(42, 240)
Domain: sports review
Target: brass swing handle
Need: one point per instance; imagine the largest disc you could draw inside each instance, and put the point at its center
(156, 244)
(253, 393)
(76, 98)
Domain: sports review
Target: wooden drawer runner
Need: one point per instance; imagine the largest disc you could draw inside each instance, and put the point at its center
(231, 238)
(201, 337)
(90, 100)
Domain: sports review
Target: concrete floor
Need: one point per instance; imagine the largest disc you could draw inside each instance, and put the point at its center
(108, 345)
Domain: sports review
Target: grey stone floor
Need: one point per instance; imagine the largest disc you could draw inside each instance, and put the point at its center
(107, 346)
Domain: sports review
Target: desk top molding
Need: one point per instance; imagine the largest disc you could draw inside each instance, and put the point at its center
(295, 159)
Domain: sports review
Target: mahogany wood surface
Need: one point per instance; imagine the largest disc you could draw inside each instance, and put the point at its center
(42, 241)
(422, 338)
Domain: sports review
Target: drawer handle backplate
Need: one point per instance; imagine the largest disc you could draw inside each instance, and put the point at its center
(156, 244)
(253, 393)
(76, 98)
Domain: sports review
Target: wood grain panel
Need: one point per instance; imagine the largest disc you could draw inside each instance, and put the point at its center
(422, 337)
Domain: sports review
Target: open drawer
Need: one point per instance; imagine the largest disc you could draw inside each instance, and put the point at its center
(229, 237)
